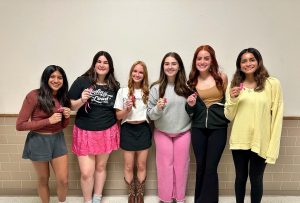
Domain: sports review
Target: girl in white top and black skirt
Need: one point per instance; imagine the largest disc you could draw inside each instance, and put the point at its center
(135, 139)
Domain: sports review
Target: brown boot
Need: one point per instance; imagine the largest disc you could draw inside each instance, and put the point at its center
(140, 191)
(131, 191)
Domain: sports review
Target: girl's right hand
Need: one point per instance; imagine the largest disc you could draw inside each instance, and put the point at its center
(161, 103)
(235, 92)
(128, 104)
(191, 100)
(85, 95)
(55, 118)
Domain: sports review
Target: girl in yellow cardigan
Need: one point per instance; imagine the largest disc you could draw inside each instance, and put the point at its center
(255, 108)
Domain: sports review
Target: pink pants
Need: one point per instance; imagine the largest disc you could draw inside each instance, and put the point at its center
(172, 163)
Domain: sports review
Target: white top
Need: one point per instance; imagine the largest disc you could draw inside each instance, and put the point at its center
(137, 113)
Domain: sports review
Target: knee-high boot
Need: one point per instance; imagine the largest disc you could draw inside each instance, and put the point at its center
(131, 191)
(140, 187)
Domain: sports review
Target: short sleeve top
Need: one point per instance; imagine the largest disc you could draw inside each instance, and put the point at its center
(98, 112)
(137, 113)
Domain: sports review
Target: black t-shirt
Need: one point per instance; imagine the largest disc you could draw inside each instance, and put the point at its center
(98, 113)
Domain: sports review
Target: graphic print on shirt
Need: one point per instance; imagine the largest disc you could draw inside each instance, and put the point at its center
(103, 98)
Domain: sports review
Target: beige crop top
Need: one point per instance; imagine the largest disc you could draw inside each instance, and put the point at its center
(210, 95)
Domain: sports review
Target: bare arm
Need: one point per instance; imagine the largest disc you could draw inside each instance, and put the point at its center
(122, 113)
(225, 80)
(76, 104)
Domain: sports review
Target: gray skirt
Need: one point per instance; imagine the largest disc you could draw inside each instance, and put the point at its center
(39, 147)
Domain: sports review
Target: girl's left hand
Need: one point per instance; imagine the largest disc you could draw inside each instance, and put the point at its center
(66, 112)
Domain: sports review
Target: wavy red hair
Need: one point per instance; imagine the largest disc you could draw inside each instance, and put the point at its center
(214, 69)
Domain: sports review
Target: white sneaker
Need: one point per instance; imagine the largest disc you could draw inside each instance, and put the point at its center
(97, 198)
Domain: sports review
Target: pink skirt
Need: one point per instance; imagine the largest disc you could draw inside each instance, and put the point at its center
(86, 142)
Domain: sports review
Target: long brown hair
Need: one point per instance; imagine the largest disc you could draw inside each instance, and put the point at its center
(110, 78)
(180, 88)
(144, 83)
(214, 69)
(260, 75)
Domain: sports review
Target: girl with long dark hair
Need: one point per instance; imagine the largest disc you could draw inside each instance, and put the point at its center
(96, 132)
(254, 105)
(45, 113)
(167, 99)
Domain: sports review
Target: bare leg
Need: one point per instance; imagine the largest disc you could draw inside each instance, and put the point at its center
(87, 170)
(142, 164)
(100, 173)
(128, 165)
(60, 168)
(141, 175)
(43, 173)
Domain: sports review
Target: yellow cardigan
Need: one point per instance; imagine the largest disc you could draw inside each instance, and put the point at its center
(256, 119)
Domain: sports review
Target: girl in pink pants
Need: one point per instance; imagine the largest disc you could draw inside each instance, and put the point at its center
(166, 107)
(172, 163)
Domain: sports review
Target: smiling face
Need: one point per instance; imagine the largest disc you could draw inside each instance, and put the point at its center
(171, 68)
(203, 61)
(102, 66)
(55, 81)
(137, 74)
(248, 64)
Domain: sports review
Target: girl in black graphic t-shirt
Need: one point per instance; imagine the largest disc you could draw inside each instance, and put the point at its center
(95, 133)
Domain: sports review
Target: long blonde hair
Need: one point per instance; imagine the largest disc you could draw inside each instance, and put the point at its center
(144, 83)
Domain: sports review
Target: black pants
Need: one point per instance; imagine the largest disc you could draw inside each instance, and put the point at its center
(246, 161)
(208, 145)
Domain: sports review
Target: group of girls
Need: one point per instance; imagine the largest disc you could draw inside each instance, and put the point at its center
(196, 110)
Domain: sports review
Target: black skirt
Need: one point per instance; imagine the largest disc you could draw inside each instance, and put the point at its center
(135, 137)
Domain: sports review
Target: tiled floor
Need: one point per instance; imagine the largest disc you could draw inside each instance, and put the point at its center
(149, 199)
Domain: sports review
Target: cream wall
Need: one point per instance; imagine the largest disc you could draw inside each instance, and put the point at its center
(68, 33)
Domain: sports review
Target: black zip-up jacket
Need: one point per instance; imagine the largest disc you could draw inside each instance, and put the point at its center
(212, 117)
